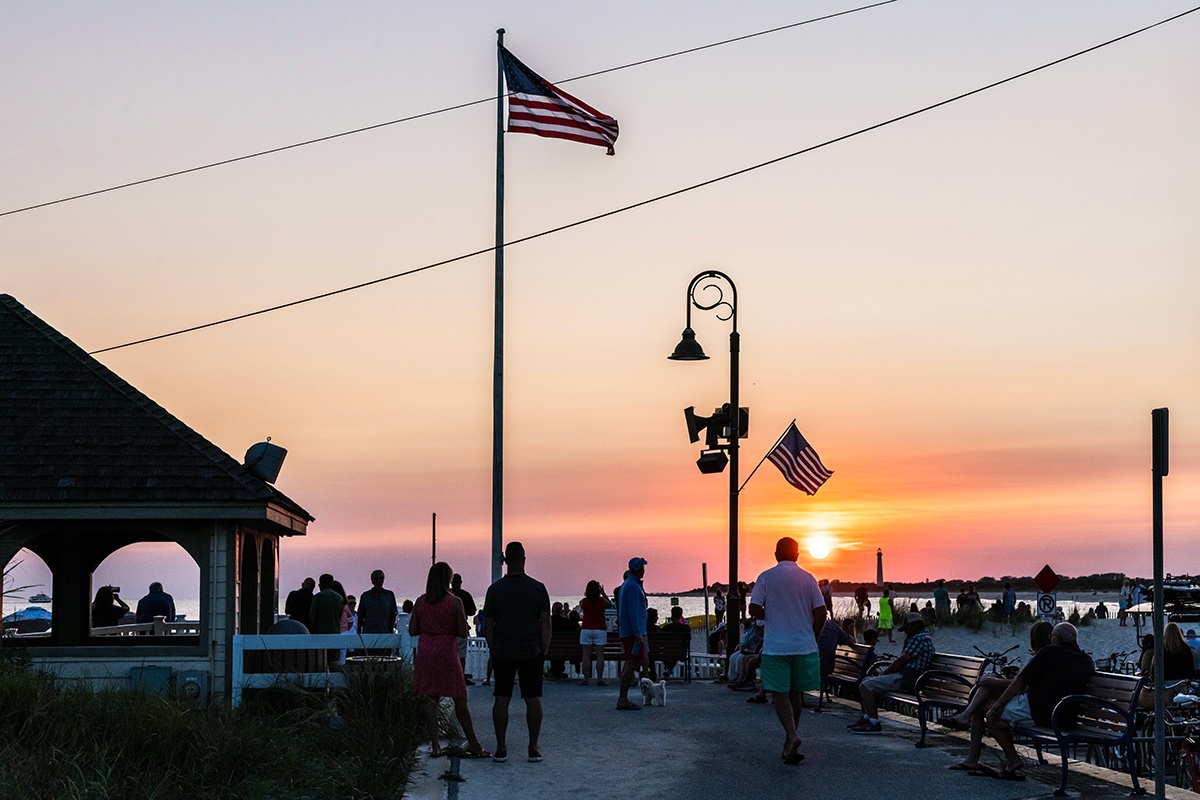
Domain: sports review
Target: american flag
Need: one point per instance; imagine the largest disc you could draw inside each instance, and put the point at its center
(536, 106)
(799, 463)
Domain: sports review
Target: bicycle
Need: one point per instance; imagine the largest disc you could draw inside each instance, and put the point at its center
(1120, 662)
(999, 662)
(1181, 732)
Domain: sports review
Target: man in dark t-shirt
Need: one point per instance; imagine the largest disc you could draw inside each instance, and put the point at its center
(516, 623)
(299, 601)
(1057, 670)
(377, 607)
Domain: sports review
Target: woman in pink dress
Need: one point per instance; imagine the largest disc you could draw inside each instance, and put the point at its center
(593, 634)
(438, 618)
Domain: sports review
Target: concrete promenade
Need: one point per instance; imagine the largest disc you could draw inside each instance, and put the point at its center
(710, 743)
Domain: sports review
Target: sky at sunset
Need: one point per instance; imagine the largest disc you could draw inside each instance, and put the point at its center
(970, 313)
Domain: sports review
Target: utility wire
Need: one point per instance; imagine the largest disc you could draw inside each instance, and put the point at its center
(639, 204)
(378, 125)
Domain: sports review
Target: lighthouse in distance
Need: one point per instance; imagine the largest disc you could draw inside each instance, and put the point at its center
(879, 566)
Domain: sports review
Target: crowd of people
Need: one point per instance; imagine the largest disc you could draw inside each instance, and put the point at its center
(790, 603)
(787, 648)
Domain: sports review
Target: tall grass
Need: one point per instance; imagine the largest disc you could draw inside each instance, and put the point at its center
(65, 742)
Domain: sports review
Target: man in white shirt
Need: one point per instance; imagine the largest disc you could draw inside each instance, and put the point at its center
(789, 602)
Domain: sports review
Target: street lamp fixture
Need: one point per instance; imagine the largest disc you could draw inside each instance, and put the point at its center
(688, 348)
(707, 292)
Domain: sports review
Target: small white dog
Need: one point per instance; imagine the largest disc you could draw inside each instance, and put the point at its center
(654, 693)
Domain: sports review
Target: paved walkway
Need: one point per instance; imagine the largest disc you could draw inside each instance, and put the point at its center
(710, 743)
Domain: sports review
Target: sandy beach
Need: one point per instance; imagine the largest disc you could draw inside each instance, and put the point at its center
(1100, 639)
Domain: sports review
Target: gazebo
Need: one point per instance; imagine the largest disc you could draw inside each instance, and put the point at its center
(88, 465)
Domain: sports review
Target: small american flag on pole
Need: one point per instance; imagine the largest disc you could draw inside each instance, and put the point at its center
(536, 106)
(799, 463)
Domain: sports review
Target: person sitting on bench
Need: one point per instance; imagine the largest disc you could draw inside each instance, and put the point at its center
(900, 675)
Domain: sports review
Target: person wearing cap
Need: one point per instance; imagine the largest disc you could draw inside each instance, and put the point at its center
(631, 621)
(901, 674)
(516, 624)
(789, 602)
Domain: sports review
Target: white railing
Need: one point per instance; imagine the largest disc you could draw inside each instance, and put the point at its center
(321, 675)
(159, 627)
(705, 666)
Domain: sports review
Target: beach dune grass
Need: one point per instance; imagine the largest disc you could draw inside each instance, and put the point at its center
(60, 741)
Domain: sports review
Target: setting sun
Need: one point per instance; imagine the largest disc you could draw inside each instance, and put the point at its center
(819, 545)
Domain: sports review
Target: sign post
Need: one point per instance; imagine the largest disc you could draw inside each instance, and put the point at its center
(1047, 602)
(1159, 433)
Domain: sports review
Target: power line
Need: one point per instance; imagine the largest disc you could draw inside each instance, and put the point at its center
(424, 114)
(646, 202)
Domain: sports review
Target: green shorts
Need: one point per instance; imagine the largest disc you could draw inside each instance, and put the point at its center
(791, 673)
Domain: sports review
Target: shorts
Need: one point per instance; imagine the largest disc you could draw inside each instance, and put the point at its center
(877, 684)
(589, 637)
(633, 647)
(790, 673)
(1016, 712)
(529, 672)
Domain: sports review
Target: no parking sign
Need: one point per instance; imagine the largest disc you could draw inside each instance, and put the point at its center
(1047, 601)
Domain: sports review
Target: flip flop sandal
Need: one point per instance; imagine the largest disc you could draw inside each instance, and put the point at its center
(961, 768)
(1013, 775)
(982, 771)
(794, 758)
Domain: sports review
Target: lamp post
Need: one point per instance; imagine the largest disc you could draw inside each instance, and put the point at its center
(707, 293)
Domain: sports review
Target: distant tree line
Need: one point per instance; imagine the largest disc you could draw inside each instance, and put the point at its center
(1099, 582)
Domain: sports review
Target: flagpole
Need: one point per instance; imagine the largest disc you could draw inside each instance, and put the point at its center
(498, 335)
(764, 458)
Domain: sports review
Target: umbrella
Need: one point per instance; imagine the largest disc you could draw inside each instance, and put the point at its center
(31, 613)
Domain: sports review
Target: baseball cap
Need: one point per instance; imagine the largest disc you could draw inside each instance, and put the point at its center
(912, 617)
(636, 563)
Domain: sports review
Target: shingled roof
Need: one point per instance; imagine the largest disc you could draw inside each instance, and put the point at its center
(73, 433)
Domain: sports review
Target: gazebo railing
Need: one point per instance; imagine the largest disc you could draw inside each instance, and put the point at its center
(159, 627)
(261, 661)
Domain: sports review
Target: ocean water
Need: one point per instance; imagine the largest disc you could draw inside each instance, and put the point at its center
(693, 606)
(843, 605)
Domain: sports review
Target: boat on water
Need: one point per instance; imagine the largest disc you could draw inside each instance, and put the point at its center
(40, 597)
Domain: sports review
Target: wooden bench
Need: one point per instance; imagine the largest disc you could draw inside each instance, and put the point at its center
(1104, 715)
(848, 661)
(945, 686)
(564, 646)
(664, 646)
(672, 646)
